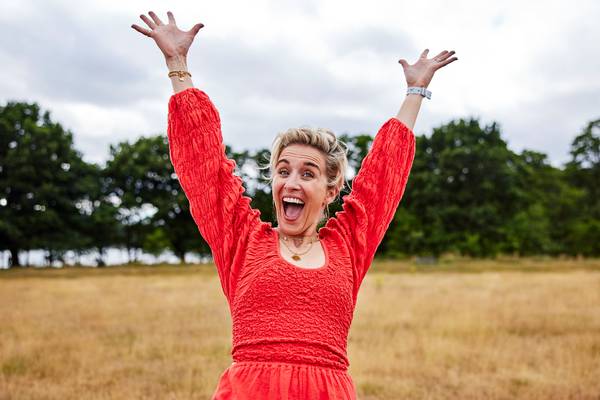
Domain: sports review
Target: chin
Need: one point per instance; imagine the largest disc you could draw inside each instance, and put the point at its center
(295, 226)
(290, 227)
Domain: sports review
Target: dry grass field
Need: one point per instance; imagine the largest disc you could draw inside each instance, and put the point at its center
(504, 330)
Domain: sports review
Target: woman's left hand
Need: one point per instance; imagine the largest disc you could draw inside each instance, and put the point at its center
(420, 73)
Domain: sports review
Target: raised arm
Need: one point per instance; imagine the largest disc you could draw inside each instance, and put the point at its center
(217, 204)
(379, 184)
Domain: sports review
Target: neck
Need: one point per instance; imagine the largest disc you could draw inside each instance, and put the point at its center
(306, 234)
(299, 240)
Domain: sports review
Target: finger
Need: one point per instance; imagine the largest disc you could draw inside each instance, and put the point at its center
(403, 63)
(142, 30)
(424, 53)
(441, 54)
(448, 61)
(196, 28)
(150, 24)
(155, 18)
(445, 56)
(171, 18)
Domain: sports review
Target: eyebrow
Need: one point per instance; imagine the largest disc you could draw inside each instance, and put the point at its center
(308, 163)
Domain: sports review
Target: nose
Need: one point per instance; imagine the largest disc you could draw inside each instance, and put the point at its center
(293, 181)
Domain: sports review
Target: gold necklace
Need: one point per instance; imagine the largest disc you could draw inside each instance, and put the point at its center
(296, 256)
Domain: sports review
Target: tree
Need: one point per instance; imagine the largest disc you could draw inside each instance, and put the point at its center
(583, 173)
(99, 225)
(39, 183)
(540, 186)
(462, 188)
(143, 180)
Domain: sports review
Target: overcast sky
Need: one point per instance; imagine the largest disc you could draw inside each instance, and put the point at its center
(534, 67)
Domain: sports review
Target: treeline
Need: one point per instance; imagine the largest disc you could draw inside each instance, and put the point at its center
(467, 193)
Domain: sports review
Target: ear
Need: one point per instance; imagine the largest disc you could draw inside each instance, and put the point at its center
(331, 194)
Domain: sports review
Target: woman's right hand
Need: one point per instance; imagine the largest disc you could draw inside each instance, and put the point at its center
(173, 42)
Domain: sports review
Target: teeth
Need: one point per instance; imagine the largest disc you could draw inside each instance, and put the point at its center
(293, 200)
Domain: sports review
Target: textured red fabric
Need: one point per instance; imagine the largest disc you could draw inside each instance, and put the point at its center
(290, 324)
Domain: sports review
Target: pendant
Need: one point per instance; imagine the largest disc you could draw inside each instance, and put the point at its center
(295, 257)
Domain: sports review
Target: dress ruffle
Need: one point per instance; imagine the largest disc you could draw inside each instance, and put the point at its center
(281, 381)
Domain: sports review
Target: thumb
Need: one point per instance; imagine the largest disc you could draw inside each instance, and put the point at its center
(196, 28)
(403, 62)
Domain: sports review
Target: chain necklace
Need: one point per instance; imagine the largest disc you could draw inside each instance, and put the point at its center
(296, 256)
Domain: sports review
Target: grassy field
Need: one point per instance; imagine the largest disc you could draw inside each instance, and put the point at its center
(462, 329)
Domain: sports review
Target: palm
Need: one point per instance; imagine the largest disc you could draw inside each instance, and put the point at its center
(421, 72)
(171, 40)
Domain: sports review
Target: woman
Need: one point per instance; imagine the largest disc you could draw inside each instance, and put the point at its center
(291, 289)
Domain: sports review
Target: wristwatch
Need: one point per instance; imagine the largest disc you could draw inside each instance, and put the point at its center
(418, 90)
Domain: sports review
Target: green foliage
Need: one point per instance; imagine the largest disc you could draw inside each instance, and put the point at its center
(405, 235)
(156, 242)
(42, 180)
(142, 179)
(527, 233)
(467, 193)
(583, 173)
(462, 188)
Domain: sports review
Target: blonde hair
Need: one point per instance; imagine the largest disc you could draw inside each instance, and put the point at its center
(334, 150)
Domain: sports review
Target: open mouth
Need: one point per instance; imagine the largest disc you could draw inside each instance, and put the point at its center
(292, 209)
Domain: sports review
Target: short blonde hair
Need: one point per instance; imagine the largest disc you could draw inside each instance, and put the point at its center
(334, 150)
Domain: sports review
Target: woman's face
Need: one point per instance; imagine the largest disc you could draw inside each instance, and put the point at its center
(300, 174)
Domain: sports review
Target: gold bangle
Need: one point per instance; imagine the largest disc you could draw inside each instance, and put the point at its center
(180, 74)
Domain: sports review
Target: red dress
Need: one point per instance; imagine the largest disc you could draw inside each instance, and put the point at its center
(290, 324)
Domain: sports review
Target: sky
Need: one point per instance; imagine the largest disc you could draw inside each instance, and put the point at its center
(533, 67)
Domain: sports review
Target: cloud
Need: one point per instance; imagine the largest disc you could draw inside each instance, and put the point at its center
(549, 124)
(261, 90)
(272, 65)
(373, 39)
(65, 58)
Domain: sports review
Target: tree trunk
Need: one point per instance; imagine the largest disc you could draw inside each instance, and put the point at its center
(49, 258)
(179, 252)
(129, 260)
(100, 259)
(181, 255)
(14, 258)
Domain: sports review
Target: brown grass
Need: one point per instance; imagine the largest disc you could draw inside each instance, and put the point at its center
(164, 333)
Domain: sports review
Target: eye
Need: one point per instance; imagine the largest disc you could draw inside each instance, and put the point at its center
(284, 172)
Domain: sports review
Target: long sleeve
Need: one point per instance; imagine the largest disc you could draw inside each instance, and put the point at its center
(376, 192)
(218, 207)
